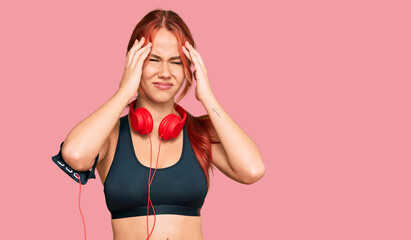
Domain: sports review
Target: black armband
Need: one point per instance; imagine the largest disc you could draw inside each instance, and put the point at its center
(83, 175)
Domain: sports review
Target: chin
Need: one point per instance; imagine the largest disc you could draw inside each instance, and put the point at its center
(164, 100)
(161, 97)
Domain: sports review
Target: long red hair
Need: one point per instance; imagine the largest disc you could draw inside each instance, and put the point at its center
(200, 129)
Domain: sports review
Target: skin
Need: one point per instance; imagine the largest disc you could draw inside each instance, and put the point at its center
(237, 156)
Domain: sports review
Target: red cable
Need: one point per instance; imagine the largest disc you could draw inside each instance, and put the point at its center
(150, 180)
(148, 186)
(79, 195)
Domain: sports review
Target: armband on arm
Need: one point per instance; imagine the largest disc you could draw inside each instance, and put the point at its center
(83, 175)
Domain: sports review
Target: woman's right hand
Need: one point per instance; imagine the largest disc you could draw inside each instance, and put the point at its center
(130, 81)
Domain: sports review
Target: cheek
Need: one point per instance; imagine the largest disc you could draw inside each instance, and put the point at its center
(181, 82)
(148, 71)
(179, 72)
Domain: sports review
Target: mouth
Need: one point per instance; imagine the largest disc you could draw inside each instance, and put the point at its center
(163, 83)
(162, 86)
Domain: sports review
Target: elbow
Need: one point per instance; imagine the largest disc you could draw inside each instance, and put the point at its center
(72, 160)
(254, 175)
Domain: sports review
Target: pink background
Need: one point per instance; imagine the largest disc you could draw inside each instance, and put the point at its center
(322, 87)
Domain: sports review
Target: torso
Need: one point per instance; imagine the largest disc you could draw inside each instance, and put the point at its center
(167, 226)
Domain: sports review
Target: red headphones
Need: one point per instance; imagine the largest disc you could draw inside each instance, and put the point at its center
(170, 127)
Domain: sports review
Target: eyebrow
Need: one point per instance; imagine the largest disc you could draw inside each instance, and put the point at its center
(172, 58)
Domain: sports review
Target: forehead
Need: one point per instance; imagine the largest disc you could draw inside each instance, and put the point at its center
(165, 44)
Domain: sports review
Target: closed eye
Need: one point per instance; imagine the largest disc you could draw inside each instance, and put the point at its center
(155, 60)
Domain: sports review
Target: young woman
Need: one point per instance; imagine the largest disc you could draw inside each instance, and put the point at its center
(159, 55)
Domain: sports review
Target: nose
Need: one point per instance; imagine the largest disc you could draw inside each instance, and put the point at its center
(164, 70)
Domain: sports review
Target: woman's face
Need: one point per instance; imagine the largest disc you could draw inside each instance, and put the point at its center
(163, 65)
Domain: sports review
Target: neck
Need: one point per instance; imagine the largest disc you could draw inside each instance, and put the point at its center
(157, 110)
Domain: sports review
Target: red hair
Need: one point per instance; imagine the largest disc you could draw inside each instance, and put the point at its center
(200, 129)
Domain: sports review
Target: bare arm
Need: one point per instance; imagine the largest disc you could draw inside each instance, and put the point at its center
(90, 137)
(237, 156)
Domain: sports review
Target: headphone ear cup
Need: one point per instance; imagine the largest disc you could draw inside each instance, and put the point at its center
(141, 120)
(170, 127)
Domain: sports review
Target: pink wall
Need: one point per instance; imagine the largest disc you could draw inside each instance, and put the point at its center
(322, 87)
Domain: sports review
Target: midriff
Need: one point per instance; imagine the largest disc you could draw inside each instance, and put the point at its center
(167, 227)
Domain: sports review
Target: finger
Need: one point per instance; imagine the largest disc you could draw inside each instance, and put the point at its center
(137, 46)
(200, 60)
(190, 52)
(134, 44)
(130, 55)
(142, 39)
(140, 56)
(186, 53)
(195, 54)
(137, 55)
(143, 57)
(194, 73)
(194, 59)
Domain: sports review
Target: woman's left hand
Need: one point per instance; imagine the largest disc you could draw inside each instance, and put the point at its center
(203, 87)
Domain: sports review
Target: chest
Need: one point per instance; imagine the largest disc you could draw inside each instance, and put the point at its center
(167, 152)
(178, 184)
